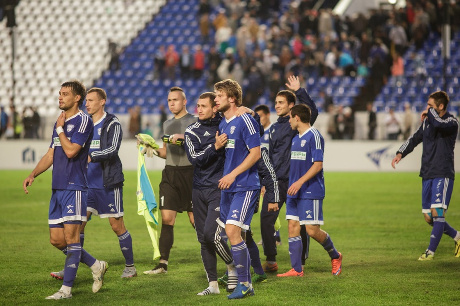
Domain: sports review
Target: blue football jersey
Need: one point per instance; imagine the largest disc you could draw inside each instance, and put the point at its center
(243, 135)
(305, 150)
(95, 176)
(70, 173)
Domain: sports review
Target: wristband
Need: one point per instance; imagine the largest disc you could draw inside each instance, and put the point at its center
(59, 130)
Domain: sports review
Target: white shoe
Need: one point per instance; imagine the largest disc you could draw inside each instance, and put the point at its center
(159, 269)
(59, 296)
(98, 276)
(209, 290)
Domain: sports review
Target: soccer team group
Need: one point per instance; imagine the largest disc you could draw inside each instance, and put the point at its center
(217, 168)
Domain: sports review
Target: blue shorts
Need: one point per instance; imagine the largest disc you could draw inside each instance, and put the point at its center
(436, 193)
(306, 211)
(106, 203)
(67, 206)
(237, 208)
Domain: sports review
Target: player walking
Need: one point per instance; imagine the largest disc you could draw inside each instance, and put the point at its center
(438, 133)
(304, 205)
(68, 154)
(240, 184)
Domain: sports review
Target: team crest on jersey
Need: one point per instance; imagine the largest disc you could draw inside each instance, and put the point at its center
(266, 136)
(99, 131)
(302, 143)
(232, 129)
(70, 127)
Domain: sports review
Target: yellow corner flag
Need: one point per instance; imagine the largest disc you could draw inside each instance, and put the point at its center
(146, 203)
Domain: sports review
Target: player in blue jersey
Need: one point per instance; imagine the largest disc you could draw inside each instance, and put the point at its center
(281, 136)
(68, 154)
(438, 134)
(105, 174)
(240, 182)
(304, 205)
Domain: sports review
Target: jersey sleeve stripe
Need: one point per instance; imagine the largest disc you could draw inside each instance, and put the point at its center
(249, 123)
(84, 123)
(191, 148)
(317, 138)
(267, 163)
(113, 147)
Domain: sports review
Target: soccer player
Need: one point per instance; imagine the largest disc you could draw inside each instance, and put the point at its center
(68, 154)
(205, 150)
(264, 113)
(281, 136)
(304, 204)
(105, 175)
(177, 176)
(240, 182)
(438, 133)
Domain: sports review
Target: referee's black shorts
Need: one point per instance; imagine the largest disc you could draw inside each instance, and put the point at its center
(176, 188)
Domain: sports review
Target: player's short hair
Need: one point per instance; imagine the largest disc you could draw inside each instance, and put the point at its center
(209, 95)
(232, 89)
(176, 88)
(99, 91)
(440, 97)
(77, 88)
(302, 111)
(263, 108)
(289, 95)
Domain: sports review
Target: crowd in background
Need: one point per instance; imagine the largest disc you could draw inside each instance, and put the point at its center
(255, 47)
(250, 43)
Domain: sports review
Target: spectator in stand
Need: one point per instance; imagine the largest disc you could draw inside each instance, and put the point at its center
(327, 99)
(159, 62)
(398, 37)
(408, 120)
(114, 53)
(372, 123)
(349, 123)
(274, 84)
(204, 8)
(330, 62)
(27, 122)
(222, 36)
(205, 25)
(346, 63)
(135, 121)
(185, 62)
(199, 58)
(393, 126)
(171, 62)
(214, 61)
(397, 69)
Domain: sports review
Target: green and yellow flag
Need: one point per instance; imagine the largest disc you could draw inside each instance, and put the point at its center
(146, 203)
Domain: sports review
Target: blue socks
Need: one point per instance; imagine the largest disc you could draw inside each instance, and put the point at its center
(72, 261)
(436, 233)
(329, 247)
(295, 252)
(255, 257)
(126, 246)
(242, 261)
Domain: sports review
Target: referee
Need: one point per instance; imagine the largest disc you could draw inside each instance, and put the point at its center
(177, 176)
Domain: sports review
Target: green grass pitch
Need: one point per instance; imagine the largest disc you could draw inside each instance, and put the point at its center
(374, 219)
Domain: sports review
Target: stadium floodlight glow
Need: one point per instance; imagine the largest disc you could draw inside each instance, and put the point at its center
(392, 1)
